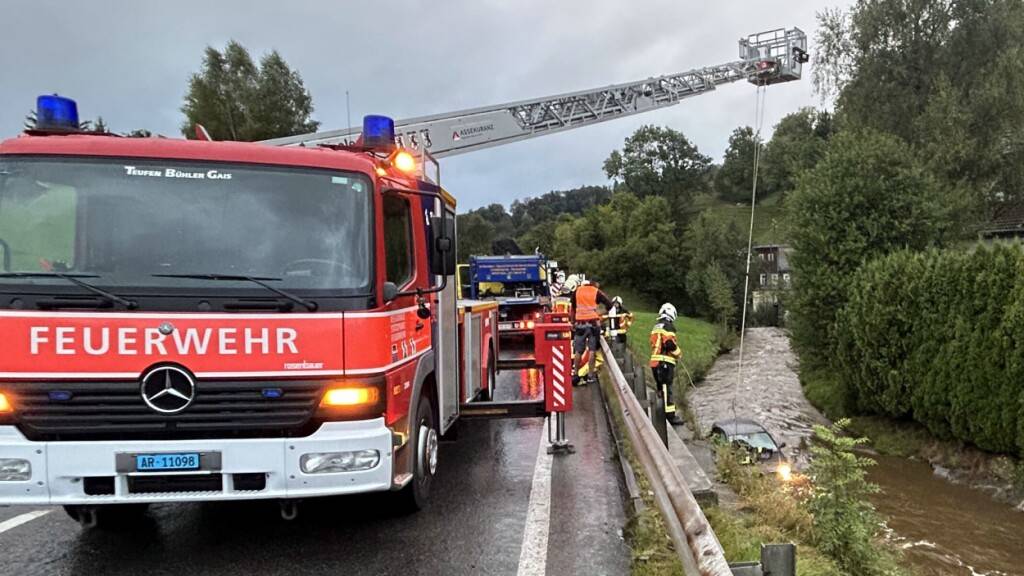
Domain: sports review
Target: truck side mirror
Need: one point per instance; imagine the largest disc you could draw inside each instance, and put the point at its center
(390, 291)
(443, 257)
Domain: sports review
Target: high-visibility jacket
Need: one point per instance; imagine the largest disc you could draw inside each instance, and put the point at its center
(664, 346)
(586, 303)
(562, 305)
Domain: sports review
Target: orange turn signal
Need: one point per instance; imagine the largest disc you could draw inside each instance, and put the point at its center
(404, 161)
(341, 397)
(5, 405)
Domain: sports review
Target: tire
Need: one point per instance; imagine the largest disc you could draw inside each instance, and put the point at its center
(110, 516)
(424, 440)
(492, 379)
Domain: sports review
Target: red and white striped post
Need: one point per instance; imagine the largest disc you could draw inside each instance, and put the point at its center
(553, 343)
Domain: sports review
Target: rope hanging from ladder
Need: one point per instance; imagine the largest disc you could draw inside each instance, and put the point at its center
(759, 113)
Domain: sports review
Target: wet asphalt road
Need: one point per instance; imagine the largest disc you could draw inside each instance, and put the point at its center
(474, 525)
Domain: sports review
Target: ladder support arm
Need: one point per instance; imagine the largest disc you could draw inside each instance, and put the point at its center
(766, 58)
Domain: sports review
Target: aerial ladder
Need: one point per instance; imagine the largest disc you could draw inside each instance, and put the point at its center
(765, 58)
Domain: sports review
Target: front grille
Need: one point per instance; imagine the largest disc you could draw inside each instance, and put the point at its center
(177, 483)
(56, 411)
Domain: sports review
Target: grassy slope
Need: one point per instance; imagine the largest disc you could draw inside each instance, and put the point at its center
(769, 217)
(696, 337)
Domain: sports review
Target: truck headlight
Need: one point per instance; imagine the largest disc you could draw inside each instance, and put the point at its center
(334, 462)
(15, 470)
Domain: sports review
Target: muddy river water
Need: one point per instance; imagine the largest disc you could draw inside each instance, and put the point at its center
(942, 528)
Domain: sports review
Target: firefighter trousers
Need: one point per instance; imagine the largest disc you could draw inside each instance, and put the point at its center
(664, 376)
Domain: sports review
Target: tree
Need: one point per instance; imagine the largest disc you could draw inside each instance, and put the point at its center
(499, 218)
(715, 250)
(880, 58)
(797, 144)
(734, 179)
(475, 236)
(663, 162)
(943, 75)
(866, 198)
(99, 126)
(720, 295)
(234, 99)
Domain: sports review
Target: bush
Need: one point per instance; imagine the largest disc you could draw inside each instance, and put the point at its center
(939, 336)
(845, 523)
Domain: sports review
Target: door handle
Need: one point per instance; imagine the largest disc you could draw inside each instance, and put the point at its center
(419, 326)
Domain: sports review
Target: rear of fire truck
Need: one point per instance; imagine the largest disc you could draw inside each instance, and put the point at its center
(519, 283)
(191, 321)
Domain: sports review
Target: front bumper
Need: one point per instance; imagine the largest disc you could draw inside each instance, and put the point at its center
(59, 468)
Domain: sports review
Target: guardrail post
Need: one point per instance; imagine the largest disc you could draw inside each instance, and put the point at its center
(778, 559)
(640, 386)
(657, 398)
(616, 351)
(627, 360)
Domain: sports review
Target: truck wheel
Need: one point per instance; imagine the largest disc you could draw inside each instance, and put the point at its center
(492, 379)
(425, 441)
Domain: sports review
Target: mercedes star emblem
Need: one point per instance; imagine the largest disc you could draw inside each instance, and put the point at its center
(168, 389)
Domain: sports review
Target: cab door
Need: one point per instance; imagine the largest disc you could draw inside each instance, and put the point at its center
(444, 319)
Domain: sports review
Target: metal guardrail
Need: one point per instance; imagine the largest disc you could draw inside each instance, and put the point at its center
(695, 542)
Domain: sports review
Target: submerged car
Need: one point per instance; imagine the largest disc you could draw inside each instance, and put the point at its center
(757, 443)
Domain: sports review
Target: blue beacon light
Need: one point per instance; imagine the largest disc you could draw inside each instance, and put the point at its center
(56, 113)
(378, 132)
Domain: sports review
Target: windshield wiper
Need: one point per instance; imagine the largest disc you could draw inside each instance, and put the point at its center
(74, 279)
(260, 280)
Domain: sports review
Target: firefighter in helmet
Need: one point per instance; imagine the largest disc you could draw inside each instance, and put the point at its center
(619, 320)
(558, 285)
(665, 352)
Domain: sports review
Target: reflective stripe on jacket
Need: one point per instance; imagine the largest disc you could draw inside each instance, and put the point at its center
(661, 335)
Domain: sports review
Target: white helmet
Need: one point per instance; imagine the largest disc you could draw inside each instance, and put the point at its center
(571, 283)
(617, 301)
(667, 311)
(560, 277)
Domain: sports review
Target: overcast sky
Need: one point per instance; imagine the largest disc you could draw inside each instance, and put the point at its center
(129, 61)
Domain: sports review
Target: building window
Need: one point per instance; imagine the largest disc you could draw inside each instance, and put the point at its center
(775, 279)
(785, 278)
(397, 240)
(761, 256)
(771, 257)
(764, 279)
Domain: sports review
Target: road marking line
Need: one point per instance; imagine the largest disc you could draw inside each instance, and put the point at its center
(22, 519)
(533, 557)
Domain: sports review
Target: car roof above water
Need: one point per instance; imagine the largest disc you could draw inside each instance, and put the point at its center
(733, 426)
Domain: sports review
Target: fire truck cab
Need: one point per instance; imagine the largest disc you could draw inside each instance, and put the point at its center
(187, 320)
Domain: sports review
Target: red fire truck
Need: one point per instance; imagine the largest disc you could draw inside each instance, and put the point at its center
(193, 320)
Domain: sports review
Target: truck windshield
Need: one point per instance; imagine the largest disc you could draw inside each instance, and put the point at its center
(137, 223)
